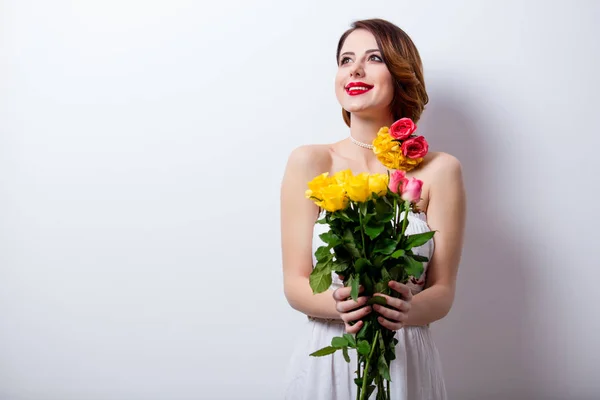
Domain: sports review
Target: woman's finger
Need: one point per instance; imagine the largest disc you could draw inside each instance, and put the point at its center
(353, 328)
(343, 293)
(349, 305)
(390, 314)
(393, 302)
(356, 315)
(404, 290)
(392, 326)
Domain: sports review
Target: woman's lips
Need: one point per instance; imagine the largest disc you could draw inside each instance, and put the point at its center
(357, 88)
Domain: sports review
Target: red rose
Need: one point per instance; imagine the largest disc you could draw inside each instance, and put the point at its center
(402, 129)
(415, 147)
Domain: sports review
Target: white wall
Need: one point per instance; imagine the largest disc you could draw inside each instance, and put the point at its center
(139, 227)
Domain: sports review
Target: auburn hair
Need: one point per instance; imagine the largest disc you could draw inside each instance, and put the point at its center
(402, 59)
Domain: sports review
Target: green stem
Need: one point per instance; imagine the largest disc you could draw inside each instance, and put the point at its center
(396, 215)
(358, 372)
(366, 370)
(405, 218)
(362, 233)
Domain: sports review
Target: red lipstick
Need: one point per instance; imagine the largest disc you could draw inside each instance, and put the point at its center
(356, 88)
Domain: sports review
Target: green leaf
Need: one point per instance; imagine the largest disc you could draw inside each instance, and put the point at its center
(345, 352)
(322, 220)
(330, 238)
(374, 230)
(389, 199)
(397, 273)
(350, 244)
(381, 343)
(370, 390)
(384, 211)
(391, 350)
(323, 267)
(363, 348)
(323, 253)
(352, 249)
(387, 217)
(413, 267)
(355, 287)
(385, 246)
(385, 276)
(366, 219)
(345, 217)
(379, 260)
(363, 208)
(361, 264)
(377, 300)
(391, 354)
(350, 339)
(417, 257)
(319, 282)
(339, 266)
(362, 333)
(341, 253)
(380, 287)
(324, 351)
(339, 342)
(383, 368)
(398, 253)
(418, 239)
(358, 382)
(367, 282)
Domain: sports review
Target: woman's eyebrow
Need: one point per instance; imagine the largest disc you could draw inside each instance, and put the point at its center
(351, 53)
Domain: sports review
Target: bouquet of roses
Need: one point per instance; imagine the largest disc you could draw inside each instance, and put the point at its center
(366, 245)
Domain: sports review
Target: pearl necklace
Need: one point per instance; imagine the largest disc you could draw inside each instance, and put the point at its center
(361, 144)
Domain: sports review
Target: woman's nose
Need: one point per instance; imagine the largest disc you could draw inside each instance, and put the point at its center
(356, 70)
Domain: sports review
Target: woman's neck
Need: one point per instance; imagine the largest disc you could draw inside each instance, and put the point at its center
(365, 129)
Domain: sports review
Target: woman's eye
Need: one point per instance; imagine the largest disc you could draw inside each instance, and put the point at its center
(344, 60)
(375, 58)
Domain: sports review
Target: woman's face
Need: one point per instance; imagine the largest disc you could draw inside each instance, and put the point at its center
(363, 83)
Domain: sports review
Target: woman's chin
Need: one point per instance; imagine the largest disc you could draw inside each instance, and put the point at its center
(367, 112)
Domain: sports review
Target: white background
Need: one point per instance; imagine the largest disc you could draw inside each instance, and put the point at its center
(142, 145)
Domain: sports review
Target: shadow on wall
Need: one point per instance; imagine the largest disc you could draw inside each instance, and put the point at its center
(483, 341)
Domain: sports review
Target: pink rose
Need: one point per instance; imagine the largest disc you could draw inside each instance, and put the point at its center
(412, 190)
(402, 129)
(415, 147)
(397, 181)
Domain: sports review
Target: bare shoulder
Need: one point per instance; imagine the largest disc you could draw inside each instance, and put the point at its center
(310, 154)
(310, 159)
(441, 161)
(303, 164)
(442, 167)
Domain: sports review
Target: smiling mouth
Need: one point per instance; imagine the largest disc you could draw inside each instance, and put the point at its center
(357, 88)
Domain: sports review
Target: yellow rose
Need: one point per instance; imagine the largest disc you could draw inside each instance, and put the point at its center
(341, 177)
(333, 198)
(383, 142)
(378, 183)
(406, 163)
(316, 186)
(357, 187)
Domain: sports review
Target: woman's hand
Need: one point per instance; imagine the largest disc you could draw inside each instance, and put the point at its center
(395, 312)
(349, 309)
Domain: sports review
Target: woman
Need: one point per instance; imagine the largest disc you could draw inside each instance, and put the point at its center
(379, 80)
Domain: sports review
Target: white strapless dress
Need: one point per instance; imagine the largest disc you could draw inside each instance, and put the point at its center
(416, 372)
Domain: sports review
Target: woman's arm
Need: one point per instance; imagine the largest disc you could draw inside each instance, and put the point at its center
(298, 216)
(446, 215)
